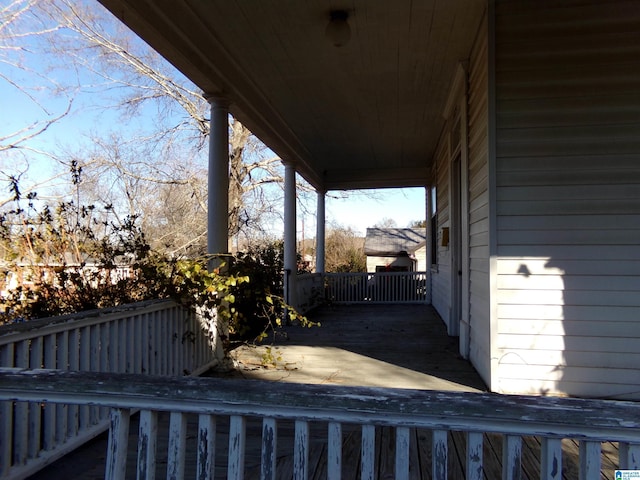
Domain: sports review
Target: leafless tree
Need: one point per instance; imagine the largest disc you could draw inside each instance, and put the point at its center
(344, 251)
(155, 164)
(18, 28)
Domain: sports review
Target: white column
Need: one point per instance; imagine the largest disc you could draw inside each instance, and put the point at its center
(320, 232)
(218, 207)
(290, 260)
(218, 199)
(431, 235)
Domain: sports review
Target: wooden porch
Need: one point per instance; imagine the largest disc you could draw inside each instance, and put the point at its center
(367, 345)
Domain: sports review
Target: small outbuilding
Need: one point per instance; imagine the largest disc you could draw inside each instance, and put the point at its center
(396, 249)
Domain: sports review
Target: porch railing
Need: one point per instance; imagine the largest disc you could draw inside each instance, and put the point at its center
(379, 287)
(208, 400)
(310, 291)
(156, 338)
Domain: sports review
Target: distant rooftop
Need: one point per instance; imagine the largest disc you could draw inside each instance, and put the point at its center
(385, 242)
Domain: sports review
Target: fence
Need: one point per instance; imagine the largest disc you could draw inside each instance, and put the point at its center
(155, 338)
(379, 287)
(208, 401)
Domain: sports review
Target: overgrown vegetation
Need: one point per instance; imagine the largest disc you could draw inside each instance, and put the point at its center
(69, 258)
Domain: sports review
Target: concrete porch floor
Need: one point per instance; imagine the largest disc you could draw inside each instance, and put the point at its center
(394, 346)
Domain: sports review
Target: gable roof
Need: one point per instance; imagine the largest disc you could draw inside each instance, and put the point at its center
(386, 242)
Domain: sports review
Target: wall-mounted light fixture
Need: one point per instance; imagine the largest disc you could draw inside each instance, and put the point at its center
(338, 31)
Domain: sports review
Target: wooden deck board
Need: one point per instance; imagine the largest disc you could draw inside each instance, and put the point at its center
(387, 346)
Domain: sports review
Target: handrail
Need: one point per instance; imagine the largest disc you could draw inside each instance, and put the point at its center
(154, 337)
(551, 419)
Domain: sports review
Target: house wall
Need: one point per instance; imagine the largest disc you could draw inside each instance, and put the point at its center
(441, 274)
(567, 198)
(477, 292)
(421, 259)
(480, 335)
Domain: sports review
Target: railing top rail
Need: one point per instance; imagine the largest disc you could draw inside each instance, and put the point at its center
(46, 326)
(482, 412)
(356, 274)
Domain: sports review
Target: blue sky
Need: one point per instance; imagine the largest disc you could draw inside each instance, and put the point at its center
(18, 110)
(360, 211)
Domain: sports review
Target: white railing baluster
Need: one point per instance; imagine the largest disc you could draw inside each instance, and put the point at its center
(94, 333)
(6, 429)
(21, 358)
(62, 361)
(177, 446)
(165, 343)
(590, 460)
(269, 449)
(512, 457)
(117, 445)
(137, 350)
(144, 343)
(114, 354)
(206, 447)
(301, 450)
(551, 459)
(49, 411)
(21, 414)
(122, 345)
(21, 433)
(403, 443)
(439, 455)
(84, 420)
(334, 451)
(237, 442)
(147, 445)
(74, 364)
(368, 452)
(6, 413)
(474, 456)
(379, 287)
(36, 360)
(629, 454)
(131, 345)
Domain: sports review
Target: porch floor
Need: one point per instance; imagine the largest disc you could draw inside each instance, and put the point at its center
(393, 346)
(374, 345)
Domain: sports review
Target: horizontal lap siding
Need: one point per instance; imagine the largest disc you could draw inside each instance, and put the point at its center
(441, 279)
(568, 197)
(480, 334)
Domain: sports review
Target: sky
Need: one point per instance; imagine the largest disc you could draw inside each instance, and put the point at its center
(358, 211)
(402, 205)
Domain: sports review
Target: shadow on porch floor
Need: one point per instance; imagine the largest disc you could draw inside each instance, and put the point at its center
(394, 346)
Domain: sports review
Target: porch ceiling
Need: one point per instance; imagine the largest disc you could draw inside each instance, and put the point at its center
(364, 115)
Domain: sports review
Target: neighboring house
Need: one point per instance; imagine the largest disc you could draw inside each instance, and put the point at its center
(26, 274)
(396, 249)
(522, 117)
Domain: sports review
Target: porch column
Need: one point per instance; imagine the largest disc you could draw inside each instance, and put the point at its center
(290, 260)
(218, 181)
(320, 232)
(218, 209)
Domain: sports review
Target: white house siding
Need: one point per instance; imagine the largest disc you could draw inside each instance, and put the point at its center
(421, 259)
(479, 317)
(568, 197)
(441, 276)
